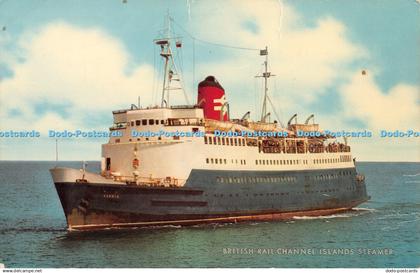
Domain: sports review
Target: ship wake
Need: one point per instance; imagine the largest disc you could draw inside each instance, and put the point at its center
(351, 213)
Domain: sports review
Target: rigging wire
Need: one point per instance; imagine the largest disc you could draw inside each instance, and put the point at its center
(279, 108)
(275, 112)
(193, 64)
(212, 43)
(272, 106)
(179, 59)
(256, 97)
(154, 89)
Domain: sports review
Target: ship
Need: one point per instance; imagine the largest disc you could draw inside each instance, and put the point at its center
(193, 164)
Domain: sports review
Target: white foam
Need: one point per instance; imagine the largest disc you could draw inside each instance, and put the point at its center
(322, 217)
(363, 209)
(417, 174)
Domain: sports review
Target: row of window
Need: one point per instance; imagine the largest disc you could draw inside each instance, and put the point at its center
(224, 141)
(326, 160)
(252, 179)
(280, 179)
(272, 161)
(145, 122)
(345, 158)
(222, 195)
(225, 161)
(330, 176)
(280, 162)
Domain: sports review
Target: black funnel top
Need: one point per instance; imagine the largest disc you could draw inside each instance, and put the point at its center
(210, 81)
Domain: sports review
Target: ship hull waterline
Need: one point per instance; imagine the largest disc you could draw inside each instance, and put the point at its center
(280, 216)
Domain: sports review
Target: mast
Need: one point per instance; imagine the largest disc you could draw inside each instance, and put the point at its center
(170, 72)
(166, 53)
(266, 74)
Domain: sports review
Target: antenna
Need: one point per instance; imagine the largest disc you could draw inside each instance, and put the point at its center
(56, 152)
(170, 72)
(266, 74)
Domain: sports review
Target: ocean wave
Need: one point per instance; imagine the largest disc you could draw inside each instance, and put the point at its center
(322, 217)
(31, 229)
(412, 182)
(411, 175)
(363, 209)
(350, 213)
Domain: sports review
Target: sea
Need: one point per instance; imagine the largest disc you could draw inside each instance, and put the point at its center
(384, 232)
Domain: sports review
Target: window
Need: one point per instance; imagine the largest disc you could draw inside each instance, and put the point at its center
(207, 160)
(117, 140)
(231, 142)
(132, 123)
(151, 121)
(225, 161)
(236, 142)
(210, 140)
(108, 163)
(144, 122)
(216, 161)
(227, 141)
(223, 141)
(157, 122)
(205, 140)
(218, 141)
(137, 122)
(162, 121)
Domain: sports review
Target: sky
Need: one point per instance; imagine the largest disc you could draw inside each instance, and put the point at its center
(65, 65)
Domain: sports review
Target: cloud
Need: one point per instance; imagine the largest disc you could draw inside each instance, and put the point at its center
(84, 69)
(304, 58)
(363, 99)
(84, 73)
(312, 62)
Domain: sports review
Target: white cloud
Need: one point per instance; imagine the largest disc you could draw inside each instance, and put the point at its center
(86, 69)
(308, 60)
(363, 99)
(305, 59)
(89, 71)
